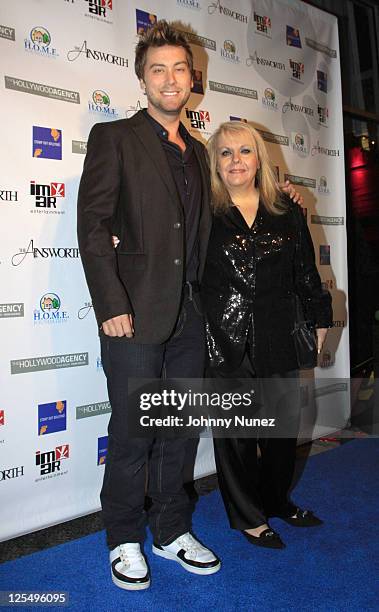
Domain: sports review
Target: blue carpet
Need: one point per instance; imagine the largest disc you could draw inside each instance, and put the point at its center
(329, 568)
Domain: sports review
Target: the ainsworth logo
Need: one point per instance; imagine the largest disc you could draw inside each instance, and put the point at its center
(13, 309)
(133, 109)
(265, 61)
(46, 197)
(198, 119)
(228, 52)
(91, 410)
(323, 186)
(49, 462)
(101, 10)
(84, 311)
(262, 25)
(297, 69)
(8, 195)
(7, 32)
(298, 108)
(224, 10)
(323, 115)
(10, 473)
(40, 89)
(101, 103)
(44, 253)
(269, 99)
(319, 150)
(49, 310)
(97, 56)
(39, 42)
(299, 143)
(48, 362)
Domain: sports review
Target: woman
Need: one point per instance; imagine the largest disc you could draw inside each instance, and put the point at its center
(260, 254)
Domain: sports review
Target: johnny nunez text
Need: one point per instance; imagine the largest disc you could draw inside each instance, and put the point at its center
(203, 421)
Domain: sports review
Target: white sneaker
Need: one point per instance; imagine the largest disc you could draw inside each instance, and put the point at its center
(128, 567)
(191, 555)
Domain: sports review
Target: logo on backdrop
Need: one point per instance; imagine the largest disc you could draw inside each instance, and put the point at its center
(201, 41)
(49, 462)
(84, 311)
(297, 69)
(317, 46)
(102, 447)
(223, 10)
(97, 56)
(322, 81)
(323, 115)
(79, 146)
(51, 417)
(133, 109)
(8, 195)
(198, 119)
(322, 187)
(10, 473)
(39, 42)
(319, 150)
(298, 108)
(101, 10)
(91, 410)
(324, 254)
(262, 25)
(145, 21)
(299, 143)
(234, 90)
(269, 99)
(99, 365)
(101, 103)
(228, 52)
(15, 309)
(7, 33)
(323, 220)
(48, 362)
(47, 196)
(47, 142)
(233, 118)
(44, 253)
(305, 181)
(40, 89)
(197, 80)
(191, 4)
(293, 37)
(2, 417)
(264, 61)
(50, 310)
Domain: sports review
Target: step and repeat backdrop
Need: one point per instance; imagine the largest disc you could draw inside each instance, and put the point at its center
(65, 65)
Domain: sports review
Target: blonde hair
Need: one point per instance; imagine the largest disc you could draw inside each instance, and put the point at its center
(265, 178)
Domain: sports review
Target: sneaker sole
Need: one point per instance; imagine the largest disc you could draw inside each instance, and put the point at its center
(130, 586)
(193, 570)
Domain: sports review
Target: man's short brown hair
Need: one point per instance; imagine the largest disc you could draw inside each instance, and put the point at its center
(162, 33)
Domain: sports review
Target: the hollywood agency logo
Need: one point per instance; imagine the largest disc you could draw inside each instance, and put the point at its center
(145, 21)
(293, 37)
(322, 81)
(297, 69)
(84, 311)
(51, 417)
(323, 115)
(228, 52)
(269, 99)
(323, 186)
(8, 195)
(262, 24)
(44, 252)
(198, 119)
(50, 461)
(223, 10)
(299, 143)
(99, 8)
(46, 196)
(97, 56)
(101, 103)
(39, 42)
(47, 143)
(2, 417)
(50, 310)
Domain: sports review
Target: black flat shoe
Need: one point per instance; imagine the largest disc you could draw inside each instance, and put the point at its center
(268, 539)
(303, 518)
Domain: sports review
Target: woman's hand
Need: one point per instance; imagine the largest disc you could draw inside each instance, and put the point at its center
(321, 335)
(115, 241)
(290, 190)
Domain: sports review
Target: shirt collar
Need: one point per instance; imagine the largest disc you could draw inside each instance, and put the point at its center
(162, 132)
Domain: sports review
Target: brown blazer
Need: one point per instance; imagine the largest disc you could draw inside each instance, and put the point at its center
(127, 188)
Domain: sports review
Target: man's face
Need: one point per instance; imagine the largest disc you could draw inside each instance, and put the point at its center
(167, 79)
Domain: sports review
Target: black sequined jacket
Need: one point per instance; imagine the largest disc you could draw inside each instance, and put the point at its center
(250, 277)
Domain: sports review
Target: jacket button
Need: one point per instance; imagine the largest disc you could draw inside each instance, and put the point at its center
(177, 225)
(177, 262)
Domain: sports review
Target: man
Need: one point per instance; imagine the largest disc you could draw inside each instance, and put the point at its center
(146, 179)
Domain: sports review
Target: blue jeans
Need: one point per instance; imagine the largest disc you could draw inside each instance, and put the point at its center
(132, 461)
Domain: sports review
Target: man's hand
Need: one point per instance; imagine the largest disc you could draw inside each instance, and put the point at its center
(119, 326)
(321, 335)
(290, 190)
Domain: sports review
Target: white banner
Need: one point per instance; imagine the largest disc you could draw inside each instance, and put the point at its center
(67, 64)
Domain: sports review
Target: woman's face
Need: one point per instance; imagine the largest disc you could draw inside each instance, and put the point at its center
(237, 161)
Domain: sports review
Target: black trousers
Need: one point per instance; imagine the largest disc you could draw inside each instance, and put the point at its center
(124, 487)
(255, 489)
